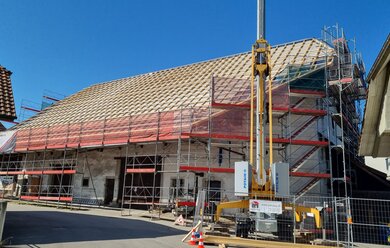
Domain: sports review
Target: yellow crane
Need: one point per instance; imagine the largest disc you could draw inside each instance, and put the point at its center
(261, 68)
(261, 182)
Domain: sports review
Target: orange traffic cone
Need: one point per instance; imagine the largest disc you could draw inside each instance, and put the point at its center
(201, 244)
(193, 239)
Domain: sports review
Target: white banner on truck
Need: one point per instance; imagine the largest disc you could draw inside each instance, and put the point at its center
(263, 206)
(242, 178)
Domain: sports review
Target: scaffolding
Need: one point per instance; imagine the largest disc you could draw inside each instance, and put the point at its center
(304, 108)
(346, 89)
(170, 156)
(45, 176)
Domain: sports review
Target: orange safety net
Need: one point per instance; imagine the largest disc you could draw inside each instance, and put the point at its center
(139, 128)
(228, 122)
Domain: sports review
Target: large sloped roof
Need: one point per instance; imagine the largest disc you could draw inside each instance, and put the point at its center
(7, 106)
(169, 89)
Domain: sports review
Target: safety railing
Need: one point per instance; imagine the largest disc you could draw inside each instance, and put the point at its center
(47, 166)
(309, 219)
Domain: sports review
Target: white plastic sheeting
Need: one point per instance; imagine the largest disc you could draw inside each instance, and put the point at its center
(7, 141)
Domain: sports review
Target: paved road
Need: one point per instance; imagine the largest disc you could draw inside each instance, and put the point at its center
(36, 226)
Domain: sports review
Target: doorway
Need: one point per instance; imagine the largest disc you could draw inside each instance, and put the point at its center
(215, 191)
(109, 191)
(34, 185)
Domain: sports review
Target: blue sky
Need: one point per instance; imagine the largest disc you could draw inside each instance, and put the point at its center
(65, 46)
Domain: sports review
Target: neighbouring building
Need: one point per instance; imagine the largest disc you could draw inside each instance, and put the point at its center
(375, 139)
(7, 105)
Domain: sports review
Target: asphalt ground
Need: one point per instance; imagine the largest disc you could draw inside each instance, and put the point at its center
(39, 226)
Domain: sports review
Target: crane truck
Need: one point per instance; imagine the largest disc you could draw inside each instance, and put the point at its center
(261, 184)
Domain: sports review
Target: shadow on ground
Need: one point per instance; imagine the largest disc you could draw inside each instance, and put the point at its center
(48, 227)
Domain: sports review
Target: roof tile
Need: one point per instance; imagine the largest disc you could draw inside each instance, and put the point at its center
(165, 90)
(7, 109)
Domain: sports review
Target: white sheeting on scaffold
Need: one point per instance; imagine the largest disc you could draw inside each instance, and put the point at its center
(7, 141)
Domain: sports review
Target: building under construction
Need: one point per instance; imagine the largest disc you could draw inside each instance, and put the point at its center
(157, 139)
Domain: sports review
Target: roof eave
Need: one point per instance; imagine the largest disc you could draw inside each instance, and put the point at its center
(381, 58)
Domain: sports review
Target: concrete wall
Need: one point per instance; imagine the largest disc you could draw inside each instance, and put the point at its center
(101, 164)
(97, 166)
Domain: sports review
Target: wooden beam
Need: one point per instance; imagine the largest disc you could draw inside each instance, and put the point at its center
(235, 241)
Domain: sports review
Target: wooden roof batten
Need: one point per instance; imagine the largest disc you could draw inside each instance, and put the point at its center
(150, 96)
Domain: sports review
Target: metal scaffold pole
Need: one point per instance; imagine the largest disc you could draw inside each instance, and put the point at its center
(125, 165)
(178, 161)
(90, 175)
(62, 177)
(155, 163)
(260, 19)
(260, 144)
(261, 68)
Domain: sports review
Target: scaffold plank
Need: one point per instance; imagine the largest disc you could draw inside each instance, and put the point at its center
(52, 172)
(56, 146)
(137, 170)
(38, 172)
(188, 204)
(300, 111)
(342, 81)
(11, 172)
(206, 169)
(275, 140)
(216, 136)
(307, 93)
(230, 105)
(46, 198)
(297, 111)
(310, 174)
(37, 147)
(231, 170)
(299, 142)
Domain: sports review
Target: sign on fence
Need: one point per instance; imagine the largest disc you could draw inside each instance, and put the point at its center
(263, 206)
(6, 179)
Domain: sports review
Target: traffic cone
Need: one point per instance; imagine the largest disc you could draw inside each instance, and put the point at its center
(193, 239)
(201, 244)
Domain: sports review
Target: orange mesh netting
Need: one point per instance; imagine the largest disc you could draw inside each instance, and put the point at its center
(227, 122)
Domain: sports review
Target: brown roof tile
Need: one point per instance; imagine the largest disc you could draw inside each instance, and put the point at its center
(7, 105)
